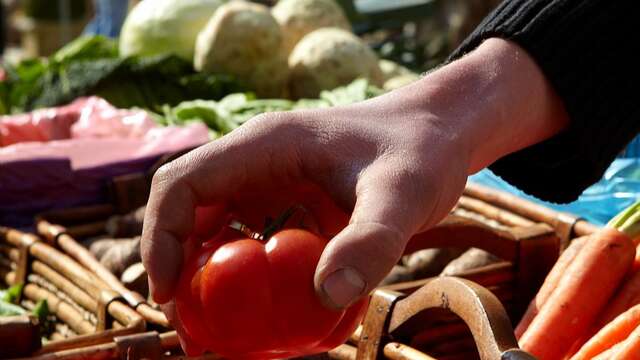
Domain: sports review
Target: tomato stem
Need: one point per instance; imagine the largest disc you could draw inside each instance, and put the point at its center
(271, 225)
(237, 225)
(278, 223)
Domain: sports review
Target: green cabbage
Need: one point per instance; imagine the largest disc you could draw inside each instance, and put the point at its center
(156, 27)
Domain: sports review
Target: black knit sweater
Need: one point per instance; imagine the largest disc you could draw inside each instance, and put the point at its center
(588, 51)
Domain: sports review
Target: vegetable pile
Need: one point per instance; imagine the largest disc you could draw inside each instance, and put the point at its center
(175, 51)
(589, 305)
(294, 50)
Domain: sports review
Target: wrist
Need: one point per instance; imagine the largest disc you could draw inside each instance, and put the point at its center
(494, 101)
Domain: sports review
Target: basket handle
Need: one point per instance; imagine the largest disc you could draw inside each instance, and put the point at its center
(475, 305)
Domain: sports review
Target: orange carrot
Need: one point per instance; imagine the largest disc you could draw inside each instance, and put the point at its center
(611, 334)
(627, 296)
(549, 284)
(630, 349)
(582, 292)
(607, 354)
(577, 345)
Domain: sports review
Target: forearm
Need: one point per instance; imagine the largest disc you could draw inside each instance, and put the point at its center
(580, 47)
(495, 101)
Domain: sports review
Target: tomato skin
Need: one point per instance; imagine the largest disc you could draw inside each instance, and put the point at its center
(189, 297)
(256, 300)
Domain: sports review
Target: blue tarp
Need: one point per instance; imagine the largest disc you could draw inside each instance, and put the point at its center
(619, 188)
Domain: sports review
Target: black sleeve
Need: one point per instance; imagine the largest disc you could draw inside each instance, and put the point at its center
(588, 50)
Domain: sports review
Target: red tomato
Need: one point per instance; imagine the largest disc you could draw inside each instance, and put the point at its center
(252, 299)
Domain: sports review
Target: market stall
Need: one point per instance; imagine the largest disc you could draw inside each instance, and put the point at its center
(84, 128)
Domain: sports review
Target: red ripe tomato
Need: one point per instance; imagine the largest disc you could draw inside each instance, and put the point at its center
(241, 297)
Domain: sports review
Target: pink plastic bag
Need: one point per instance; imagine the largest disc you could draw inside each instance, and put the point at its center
(65, 156)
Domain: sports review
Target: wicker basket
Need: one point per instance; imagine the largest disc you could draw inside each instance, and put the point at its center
(65, 241)
(502, 206)
(527, 237)
(469, 316)
(463, 317)
(87, 312)
(131, 191)
(528, 251)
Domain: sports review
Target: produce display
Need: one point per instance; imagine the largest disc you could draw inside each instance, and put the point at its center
(92, 66)
(295, 49)
(187, 72)
(175, 51)
(586, 307)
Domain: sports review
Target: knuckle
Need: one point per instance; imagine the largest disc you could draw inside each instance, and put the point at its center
(166, 178)
(403, 173)
(163, 175)
(277, 121)
(283, 125)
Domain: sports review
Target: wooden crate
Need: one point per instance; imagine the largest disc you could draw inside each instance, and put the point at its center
(87, 311)
(469, 316)
(526, 237)
(527, 249)
(63, 240)
(502, 207)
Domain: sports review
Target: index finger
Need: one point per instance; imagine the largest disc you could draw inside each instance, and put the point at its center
(213, 172)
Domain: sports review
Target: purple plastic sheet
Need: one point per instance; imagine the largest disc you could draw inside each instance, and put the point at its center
(30, 187)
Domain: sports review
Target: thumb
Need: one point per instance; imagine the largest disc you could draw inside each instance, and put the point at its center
(390, 206)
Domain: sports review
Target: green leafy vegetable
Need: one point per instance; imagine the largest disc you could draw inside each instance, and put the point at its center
(91, 66)
(9, 309)
(9, 299)
(358, 90)
(41, 310)
(12, 294)
(627, 221)
(205, 111)
(45, 318)
(234, 110)
(87, 48)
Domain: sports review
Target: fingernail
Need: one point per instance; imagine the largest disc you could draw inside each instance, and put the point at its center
(343, 287)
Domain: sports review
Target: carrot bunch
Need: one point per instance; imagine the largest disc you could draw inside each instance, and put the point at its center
(589, 305)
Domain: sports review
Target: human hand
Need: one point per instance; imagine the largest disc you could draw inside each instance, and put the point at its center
(396, 163)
